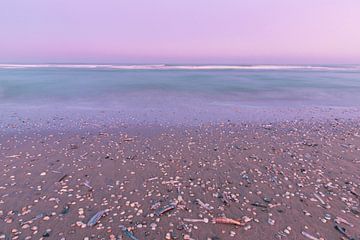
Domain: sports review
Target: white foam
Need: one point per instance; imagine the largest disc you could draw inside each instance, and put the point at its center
(182, 67)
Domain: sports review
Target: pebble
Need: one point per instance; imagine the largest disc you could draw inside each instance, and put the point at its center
(153, 226)
(247, 227)
(25, 226)
(271, 221)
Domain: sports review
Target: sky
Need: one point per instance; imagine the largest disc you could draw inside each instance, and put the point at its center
(180, 31)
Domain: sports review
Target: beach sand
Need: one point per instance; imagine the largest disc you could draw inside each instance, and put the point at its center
(285, 180)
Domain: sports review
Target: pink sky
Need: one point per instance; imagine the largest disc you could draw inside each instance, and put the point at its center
(180, 31)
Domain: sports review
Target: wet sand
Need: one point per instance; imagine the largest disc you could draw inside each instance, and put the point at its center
(286, 180)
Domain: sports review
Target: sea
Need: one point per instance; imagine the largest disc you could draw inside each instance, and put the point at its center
(178, 93)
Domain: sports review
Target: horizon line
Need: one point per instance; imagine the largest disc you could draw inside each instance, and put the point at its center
(332, 67)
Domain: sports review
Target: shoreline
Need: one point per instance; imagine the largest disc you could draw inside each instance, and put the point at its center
(74, 118)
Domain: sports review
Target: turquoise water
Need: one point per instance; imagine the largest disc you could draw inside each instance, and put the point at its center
(110, 85)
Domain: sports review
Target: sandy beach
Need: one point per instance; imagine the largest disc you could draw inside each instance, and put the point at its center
(285, 180)
(180, 120)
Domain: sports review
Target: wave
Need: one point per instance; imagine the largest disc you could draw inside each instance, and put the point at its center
(85, 66)
(183, 67)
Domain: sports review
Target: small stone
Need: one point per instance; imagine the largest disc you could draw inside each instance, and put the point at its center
(247, 227)
(271, 221)
(153, 226)
(168, 236)
(25, 226)
(81, 211)
(246, 219)
(47, 233)
(80, 224)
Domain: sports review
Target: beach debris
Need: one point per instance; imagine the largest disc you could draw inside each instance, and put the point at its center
(87, 184)
(355, 210)
(356, 194)
(223, 198)
(153, 226)
(127, 233)
(37, 217)
(188, 237)
(192, 220)
(340, 229)
(4, 236)
(256, 204)
(165, 209)
(309, 236)
(287, 230)
(84, 155)
(271, 221)
(204, 205)
(170, 191)
(323, 203)
(274, 205)
(65, 210)
(47, 233)
(267, 199)
(231, 221)
(13, 156)
(94, 219)
(172, 182)
(340, 220)
(155, 206)
(327, 216)
(128, 139)
(319, 198)
(267, 127)
(152, 179)
(62, 178)
(74, 146)
(246, 219)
